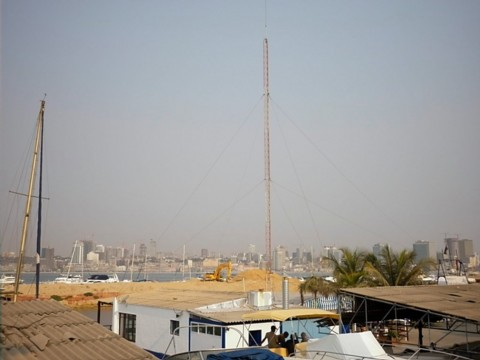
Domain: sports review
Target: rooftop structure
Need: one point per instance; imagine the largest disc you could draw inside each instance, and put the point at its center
(48, 330)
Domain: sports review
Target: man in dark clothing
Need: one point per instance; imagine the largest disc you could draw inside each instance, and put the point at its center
(282, 339)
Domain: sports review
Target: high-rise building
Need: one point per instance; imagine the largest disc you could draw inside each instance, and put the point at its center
(279, 258)
(142, 251)
(48, 257)
(331, 251)
(377, 249)
(298, 257)
(152, 249)
(465, 247)
(457, 250)
(424, 250)
(88, 246)
(204, 253)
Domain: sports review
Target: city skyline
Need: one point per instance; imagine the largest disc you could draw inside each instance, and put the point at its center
(154, 124)
(150, 249)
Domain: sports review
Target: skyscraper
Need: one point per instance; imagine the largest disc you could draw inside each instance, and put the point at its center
(424, 250)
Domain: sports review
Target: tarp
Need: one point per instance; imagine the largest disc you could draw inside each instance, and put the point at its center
(286, 314)
(246, 354)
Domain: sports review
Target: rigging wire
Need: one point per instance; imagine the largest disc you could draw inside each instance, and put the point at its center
(13, 220)
(209, 170)
(241, 181)
(342, 174)
(279, 199)
(292, 163)
(332, 212)
(214, 220)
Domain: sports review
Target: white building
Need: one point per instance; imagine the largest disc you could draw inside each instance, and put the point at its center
(174, 321)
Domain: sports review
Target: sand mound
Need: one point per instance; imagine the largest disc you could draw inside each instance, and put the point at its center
(257, 275)
(87, 295)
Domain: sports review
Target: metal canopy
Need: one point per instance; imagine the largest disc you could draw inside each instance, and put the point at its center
(452, 309)
(286, 314)
(454, 301)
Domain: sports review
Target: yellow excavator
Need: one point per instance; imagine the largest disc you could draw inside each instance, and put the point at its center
(217, 274)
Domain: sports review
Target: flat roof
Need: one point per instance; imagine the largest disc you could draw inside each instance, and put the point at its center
(180, 299)
(459, 301)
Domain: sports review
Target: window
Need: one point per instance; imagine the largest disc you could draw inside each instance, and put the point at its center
(206, 329)
(128, 326)
(174, 327)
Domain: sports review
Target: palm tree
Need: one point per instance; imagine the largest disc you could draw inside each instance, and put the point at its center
(349, 270)
(315, 285)
(395, 269)
(318, 285)
(302, 288)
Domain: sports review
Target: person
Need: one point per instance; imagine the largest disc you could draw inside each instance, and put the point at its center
(271, 337)
(282, 339)
(304, 337)
(290, 344)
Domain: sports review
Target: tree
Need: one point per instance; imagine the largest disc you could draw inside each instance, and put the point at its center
(303, 290)
(315, 285)
(349, 270)
(394, 269)
(318, 285)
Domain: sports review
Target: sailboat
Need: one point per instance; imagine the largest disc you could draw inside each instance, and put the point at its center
(70, 278)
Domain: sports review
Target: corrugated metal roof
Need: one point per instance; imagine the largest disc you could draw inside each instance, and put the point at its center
(179, 299)
(49, 330)
(460, 301)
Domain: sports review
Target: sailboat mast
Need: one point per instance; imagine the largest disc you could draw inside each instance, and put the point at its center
(39, 218)
(266, 134)
(21, 253)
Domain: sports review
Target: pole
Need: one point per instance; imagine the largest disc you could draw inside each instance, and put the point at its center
(21, 253)
(266, 134)
(39, 219)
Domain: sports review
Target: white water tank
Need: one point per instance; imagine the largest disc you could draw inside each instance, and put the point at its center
(260, 300)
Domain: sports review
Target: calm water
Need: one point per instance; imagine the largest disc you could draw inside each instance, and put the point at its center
(29, 278)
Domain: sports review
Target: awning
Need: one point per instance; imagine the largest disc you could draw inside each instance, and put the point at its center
(286, 314)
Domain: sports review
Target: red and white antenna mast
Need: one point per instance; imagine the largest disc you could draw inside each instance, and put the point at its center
(266, 134)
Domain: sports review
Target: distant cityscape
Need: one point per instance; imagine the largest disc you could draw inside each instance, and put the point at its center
(88, 256)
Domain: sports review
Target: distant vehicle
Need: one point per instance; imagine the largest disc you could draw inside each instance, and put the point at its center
(217, 274)
(102, 278)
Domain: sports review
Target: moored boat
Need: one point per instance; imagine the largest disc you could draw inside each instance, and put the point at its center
(69, 279)
(8, 279)
(103, 278)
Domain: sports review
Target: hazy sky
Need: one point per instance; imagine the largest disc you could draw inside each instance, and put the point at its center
(154, 121)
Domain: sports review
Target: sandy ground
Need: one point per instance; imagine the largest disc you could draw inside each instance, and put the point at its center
(87, 295)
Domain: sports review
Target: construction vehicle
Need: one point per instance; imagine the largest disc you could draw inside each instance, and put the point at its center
(217, 274)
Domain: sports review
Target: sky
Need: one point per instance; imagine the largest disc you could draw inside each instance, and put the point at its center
(154, 122)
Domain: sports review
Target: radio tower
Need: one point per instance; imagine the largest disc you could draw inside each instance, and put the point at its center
(266, 135)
